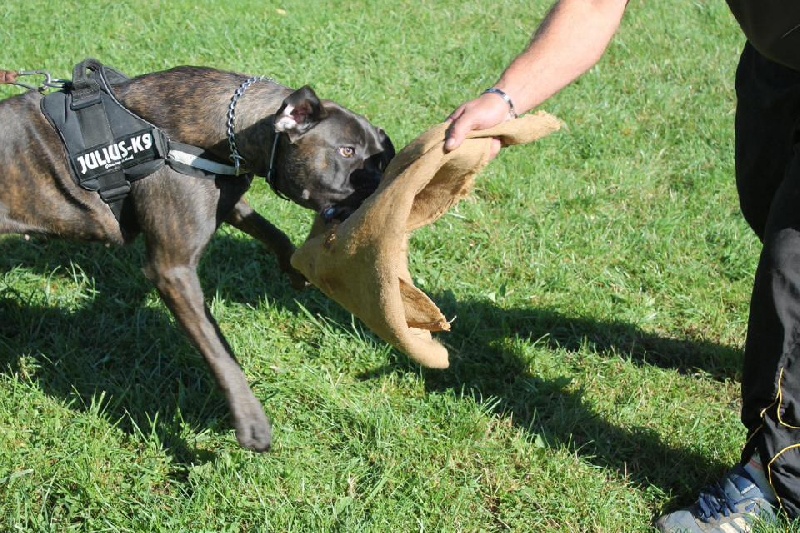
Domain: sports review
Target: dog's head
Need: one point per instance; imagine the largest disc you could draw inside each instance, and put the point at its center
(330, 159)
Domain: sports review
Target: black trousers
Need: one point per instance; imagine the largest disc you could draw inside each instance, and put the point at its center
(768, 181)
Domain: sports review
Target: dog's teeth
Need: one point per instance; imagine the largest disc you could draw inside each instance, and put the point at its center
(306, 194)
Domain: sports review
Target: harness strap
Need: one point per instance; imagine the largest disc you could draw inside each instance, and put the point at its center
(191, 160)
(109, 146)
(95, 129)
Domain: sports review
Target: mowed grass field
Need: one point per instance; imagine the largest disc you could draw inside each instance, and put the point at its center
(598, 281)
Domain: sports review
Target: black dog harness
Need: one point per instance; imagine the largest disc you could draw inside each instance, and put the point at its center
(108, 145)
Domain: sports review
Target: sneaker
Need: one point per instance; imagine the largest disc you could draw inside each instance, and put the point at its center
(731, 505)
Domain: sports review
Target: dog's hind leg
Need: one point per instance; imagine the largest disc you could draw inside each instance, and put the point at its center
(246, 219)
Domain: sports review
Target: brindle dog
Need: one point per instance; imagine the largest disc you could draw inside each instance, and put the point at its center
(328, 159)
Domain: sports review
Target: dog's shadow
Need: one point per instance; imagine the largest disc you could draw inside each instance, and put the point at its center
(112, 340)
(488, 365)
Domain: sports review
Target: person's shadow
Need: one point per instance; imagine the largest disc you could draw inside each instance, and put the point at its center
(486, 366)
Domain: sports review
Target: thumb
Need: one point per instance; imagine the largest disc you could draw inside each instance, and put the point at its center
(456, 133)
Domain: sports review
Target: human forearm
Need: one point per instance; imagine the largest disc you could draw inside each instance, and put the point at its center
(572, 38)
(570, 41)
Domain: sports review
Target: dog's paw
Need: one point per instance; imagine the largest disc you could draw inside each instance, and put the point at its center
(253, 430)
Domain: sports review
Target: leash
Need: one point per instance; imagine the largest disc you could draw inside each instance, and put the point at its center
(10, 77)
(235, 156)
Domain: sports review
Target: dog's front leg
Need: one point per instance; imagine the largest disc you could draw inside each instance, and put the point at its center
(180, 289)
(246, 219)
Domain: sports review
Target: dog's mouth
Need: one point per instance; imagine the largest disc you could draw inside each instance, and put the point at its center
(366, 183)
(341, 211)
(334, 214)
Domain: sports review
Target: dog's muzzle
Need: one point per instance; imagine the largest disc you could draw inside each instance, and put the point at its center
(365, 182)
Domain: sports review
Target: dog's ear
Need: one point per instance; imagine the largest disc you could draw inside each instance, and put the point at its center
(388, 149)
(300, 112)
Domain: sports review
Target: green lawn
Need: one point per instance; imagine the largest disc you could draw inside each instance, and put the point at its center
(599, 281)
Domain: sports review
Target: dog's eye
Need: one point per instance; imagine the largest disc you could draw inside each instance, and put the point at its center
(347, 151)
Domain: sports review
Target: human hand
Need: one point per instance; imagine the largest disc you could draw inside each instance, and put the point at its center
(482, 113)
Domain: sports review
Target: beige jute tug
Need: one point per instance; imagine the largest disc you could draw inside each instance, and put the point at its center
(362, 263)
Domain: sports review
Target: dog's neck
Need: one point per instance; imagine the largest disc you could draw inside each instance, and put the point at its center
(253, 132)
(191, 105)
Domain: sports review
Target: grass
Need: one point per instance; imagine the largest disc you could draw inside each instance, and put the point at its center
(600, 281)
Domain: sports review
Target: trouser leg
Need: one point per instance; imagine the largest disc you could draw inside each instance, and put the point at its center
(768, 180)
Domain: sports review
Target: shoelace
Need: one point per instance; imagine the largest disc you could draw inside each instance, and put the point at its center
(714, 501)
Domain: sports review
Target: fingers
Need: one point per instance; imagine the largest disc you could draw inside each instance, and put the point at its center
(479, 114)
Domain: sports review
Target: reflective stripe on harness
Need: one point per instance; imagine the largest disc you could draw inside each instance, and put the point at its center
(189, 159)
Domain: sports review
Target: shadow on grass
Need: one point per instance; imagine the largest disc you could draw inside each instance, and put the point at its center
(152, 379)
(486, 367)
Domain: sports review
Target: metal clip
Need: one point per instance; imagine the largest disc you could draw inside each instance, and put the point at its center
(49, 82)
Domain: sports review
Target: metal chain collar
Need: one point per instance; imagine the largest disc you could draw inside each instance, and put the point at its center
(235, 156)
